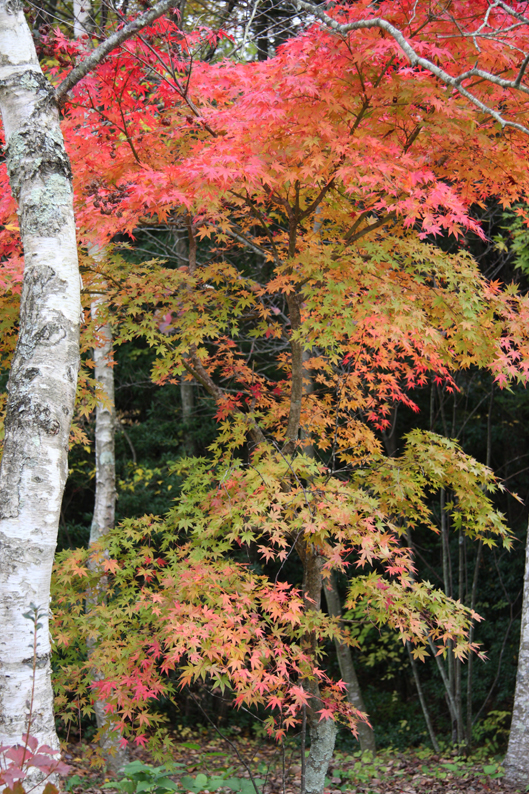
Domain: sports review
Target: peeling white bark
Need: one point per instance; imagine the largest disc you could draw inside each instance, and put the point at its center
(105, 504)
(105, 496)
(81, 17)
(517, 758)
(43, 376)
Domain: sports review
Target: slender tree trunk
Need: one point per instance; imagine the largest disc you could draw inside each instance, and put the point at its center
(103, 518)
(322, 732)
(517, 758)
(187, 396)
(446, 683)
(43, 376)
(416, 678)
(422, 700)
(470, 663)
(474, 592)
(105, 493)
(366, 735)
(458, 693)
(186, 249)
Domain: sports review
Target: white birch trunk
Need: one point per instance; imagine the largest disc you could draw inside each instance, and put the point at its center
(43, 376)
(105, 495)
(104, 514)
(517, 758)
(81, 17)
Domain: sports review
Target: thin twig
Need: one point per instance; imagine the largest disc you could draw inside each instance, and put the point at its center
(233, 747)
(113, 41)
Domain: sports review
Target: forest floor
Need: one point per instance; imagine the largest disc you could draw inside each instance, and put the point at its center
(201, 758)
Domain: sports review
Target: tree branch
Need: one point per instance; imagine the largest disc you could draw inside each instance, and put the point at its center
(113, 41)
(199, 372)
(296, 386)
(425, 63)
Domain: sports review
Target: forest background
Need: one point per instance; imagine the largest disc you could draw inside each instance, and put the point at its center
(184, 390)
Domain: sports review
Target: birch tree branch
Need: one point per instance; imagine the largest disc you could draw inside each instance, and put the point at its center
(113, 41)
(416, 60)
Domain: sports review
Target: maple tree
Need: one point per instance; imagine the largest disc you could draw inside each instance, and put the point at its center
(335, 163)
(393, 346)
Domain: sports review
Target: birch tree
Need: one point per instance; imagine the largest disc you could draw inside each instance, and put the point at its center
(81, 17)
(103, 518)
(43, 375)
(517, 758)
(114, 754)
(42, 382)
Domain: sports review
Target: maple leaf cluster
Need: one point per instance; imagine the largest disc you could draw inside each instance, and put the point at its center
(178, 600)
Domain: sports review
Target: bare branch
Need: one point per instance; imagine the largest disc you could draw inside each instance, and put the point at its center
(257, 249)
(200, 373)
(113, 41)
(425, 63)
(509, 10)
(521, 73)
(493, 78)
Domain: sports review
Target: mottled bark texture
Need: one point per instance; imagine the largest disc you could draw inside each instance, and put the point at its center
(103, 518)
(366, 735)
(42, 382)
(322, 732)
(81, 17)
(517, 758)
(187, 395)
(105, 494)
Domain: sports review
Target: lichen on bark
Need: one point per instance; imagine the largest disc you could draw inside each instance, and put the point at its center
(322, 741)
(42, 382)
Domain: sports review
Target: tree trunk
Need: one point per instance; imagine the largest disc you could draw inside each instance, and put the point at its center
(322, 732)
(366, 735)
(103, 518)
(322, 741)
(81, 17)
(105, 494)
(517, 758)
(186, 250)
(187, 395)
(43, 376)
(422, 700)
